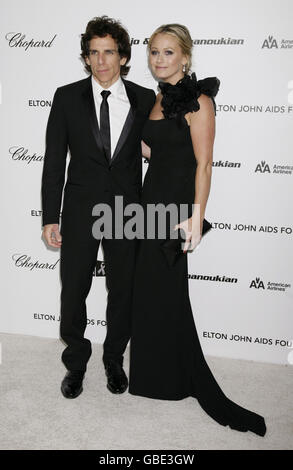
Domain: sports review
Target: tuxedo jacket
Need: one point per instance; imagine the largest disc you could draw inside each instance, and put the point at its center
(73, 125)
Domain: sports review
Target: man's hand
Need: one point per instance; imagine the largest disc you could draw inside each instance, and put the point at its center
(52, 235)
(145, 150)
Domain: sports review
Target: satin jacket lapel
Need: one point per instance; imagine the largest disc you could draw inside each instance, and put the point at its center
(91, 113)
(128, 121)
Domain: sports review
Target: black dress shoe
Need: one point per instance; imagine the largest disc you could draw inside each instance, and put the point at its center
(117, 379)
(71, 385)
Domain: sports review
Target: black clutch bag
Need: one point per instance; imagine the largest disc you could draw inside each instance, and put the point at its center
(172, 247)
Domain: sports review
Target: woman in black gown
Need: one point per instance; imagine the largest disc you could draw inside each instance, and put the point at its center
(166, 359)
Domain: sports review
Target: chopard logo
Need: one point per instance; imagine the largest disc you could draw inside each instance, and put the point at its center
(20, 153)
(24, 261)
(19, 40)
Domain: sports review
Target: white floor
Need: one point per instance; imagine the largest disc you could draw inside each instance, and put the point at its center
(35, 415)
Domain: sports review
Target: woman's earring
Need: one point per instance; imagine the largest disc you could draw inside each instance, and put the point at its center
(184, 68)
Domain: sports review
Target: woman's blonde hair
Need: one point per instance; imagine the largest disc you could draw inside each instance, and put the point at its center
(183, 36)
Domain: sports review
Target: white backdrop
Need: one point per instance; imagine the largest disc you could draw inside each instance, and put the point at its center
(241, 274)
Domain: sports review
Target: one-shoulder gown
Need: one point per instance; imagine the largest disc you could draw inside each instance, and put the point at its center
(166, 358)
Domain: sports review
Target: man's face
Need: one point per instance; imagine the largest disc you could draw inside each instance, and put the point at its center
(104, 60)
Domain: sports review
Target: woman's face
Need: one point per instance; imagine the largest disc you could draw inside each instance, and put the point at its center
(166, 58)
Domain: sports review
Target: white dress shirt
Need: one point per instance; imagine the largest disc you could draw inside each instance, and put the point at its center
(118, 107)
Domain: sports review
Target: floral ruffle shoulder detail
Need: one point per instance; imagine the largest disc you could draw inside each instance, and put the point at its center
(181, 98)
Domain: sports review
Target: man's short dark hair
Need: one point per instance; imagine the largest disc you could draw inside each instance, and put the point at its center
(101, 26)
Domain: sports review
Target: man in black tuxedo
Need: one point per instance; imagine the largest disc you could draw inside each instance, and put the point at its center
(100, 120)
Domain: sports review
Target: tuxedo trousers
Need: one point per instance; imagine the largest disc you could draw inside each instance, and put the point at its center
(78, 259)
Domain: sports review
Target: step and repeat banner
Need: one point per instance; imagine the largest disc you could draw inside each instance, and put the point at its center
(240, 276)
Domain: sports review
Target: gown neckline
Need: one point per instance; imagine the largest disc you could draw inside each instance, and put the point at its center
(165, 119)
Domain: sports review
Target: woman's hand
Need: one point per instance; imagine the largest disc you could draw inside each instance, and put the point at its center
(193, 231)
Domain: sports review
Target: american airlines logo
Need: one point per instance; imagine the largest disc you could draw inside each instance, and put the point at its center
(258, 283)
(264, 167)
(271, 43)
